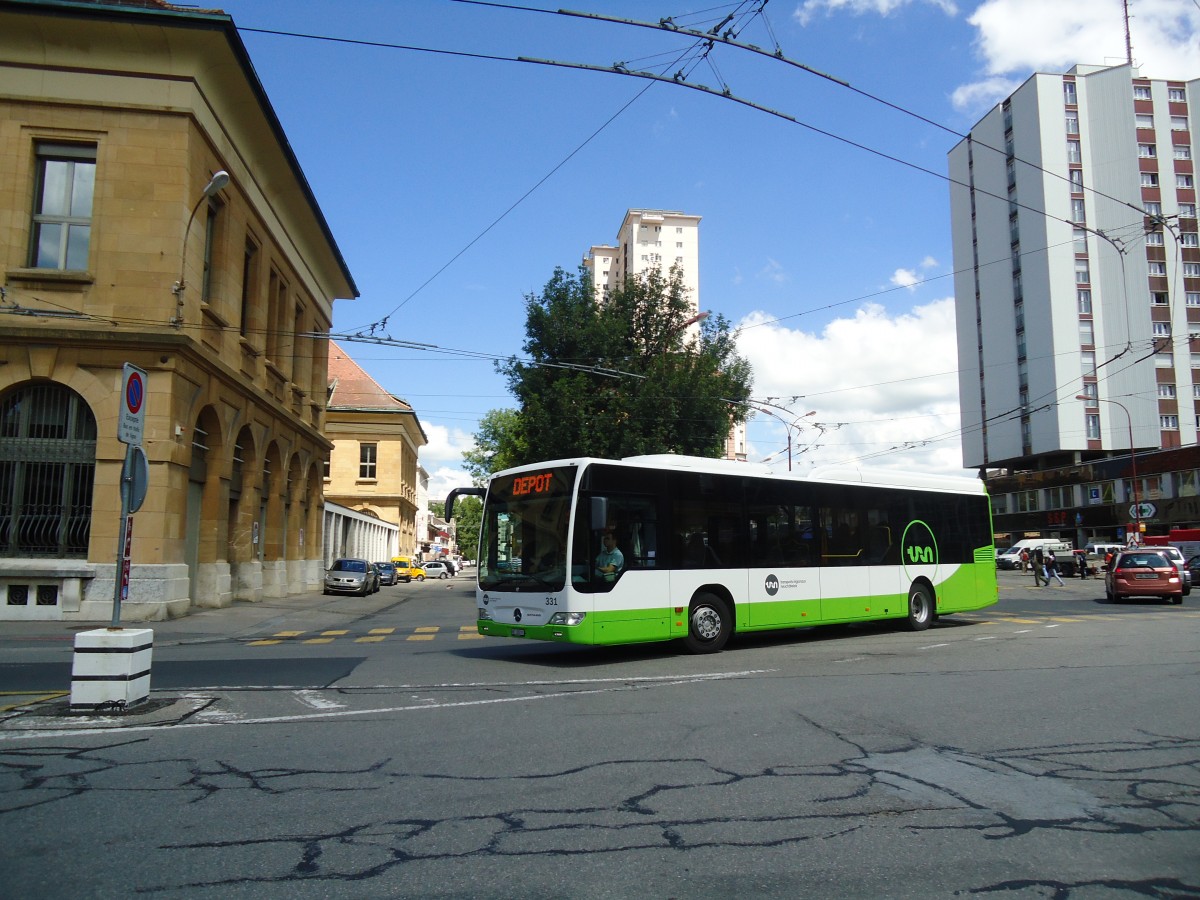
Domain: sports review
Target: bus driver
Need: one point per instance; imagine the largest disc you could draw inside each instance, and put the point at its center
(609, 560)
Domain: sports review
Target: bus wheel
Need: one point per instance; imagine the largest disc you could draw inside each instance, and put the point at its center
(920, 608)
(709, 624)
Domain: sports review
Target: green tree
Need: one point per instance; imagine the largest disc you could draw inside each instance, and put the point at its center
(619, 377)
(497, 445)
(468, 516)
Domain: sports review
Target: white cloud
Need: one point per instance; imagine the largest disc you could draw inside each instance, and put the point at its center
(444, 479)
(1017, 37)
(810, 8)
(875, 382)
(442, 458)
(983, 94)
(911, 278)
(773, 271)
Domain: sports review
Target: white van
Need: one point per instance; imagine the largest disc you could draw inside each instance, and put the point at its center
(1011, 558)
(1102, 550)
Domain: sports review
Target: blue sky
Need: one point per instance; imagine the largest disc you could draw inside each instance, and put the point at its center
(455, 184)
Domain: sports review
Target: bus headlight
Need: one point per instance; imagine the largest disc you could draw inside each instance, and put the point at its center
(484, 614)
(567, 618)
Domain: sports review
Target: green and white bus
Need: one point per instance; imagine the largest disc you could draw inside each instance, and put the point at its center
(708, 548)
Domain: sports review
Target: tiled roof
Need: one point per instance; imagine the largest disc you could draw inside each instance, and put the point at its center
(352, 388)
(150, 4)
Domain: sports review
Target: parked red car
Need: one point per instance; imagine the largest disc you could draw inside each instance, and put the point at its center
(1143, 573)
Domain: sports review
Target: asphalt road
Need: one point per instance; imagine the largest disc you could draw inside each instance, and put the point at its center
(377, 747)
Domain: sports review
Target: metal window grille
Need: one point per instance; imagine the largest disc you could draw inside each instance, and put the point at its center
(47, 471)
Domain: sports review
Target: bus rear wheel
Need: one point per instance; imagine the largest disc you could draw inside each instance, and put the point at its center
(709, 624)
(920, 608)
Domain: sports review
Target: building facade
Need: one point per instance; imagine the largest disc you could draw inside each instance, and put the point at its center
(373, 464)
(152, 213)
(1077, 291)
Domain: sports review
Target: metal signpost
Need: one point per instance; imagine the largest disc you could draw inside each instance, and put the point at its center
(135, 475)
(111, 666)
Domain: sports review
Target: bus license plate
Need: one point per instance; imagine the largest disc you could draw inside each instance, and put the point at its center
(518, 632)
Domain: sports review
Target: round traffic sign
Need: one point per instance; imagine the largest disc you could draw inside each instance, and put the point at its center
(135, 392)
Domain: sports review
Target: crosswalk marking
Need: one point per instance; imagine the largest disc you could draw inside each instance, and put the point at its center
(471, 632)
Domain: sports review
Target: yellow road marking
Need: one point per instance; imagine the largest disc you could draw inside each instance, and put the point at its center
(373, 639)
(319, 641)
(288, 633)
(1063, 619)
(382, 631)
(334, 633)
(34, 697)
(428, 629)
(420, 637)
(263, 643)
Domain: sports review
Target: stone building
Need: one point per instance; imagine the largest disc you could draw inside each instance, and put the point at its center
(153, 213)
(376, 437)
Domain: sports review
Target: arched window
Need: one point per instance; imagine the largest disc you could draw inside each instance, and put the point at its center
(47, 467)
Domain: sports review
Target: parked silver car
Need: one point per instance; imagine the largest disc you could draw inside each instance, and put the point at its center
(351, 576)
(1175, 555)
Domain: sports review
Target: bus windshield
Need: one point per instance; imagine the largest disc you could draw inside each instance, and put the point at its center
(523, 538)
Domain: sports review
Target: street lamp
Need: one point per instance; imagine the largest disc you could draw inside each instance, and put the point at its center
(215, 185)
(1137, 505)
(787, 426)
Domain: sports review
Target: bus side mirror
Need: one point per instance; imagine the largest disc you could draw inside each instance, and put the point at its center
(599, 513)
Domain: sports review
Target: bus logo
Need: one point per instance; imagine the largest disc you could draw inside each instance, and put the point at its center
(918, 549)
(771, 585)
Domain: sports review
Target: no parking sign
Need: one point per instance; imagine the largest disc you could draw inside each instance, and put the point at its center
(132, 416)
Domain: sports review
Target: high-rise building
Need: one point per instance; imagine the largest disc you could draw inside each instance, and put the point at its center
(1073, 210)
(657, 239)
(649, 239)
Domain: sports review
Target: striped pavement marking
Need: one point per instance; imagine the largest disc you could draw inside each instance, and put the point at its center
(427, 633)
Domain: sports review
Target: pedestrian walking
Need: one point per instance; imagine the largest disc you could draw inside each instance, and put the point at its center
(1052, 569)
(1038, 564)
(1024, 560)
(1081, 561)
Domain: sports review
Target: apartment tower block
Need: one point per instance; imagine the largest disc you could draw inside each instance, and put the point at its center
(1073, 213)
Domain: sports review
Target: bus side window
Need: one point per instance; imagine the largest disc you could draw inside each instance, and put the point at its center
(634, 523)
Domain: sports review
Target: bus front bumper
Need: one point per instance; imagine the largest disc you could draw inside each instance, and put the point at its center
(567, 634)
